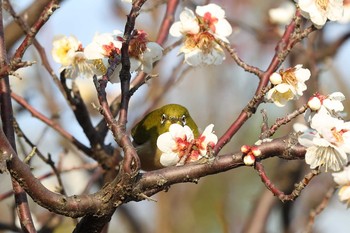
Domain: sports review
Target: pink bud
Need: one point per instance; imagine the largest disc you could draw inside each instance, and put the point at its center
(245, 149)
(256, 151)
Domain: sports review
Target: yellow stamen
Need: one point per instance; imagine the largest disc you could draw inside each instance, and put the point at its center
(323, 4)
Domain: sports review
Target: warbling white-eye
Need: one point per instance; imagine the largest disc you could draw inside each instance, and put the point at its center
(146, 132)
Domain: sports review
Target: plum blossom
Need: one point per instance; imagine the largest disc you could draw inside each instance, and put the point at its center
(328, 145)
(200, 31)
(325, 104)
(343, 180)
(213, 17)
(143, 53)
(68, 51)
(318, 11)
(207, 138)
(289, 84)
(102, 47)
(179, 146)
(64, 49)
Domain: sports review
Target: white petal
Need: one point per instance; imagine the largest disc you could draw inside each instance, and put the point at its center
(310, 157)
(189, 22)
(307, 138)
(212, 8)
(336, 10)
(283, 88)
(165, 142)
(337, 96)
(223, 28)
(194, 57)
(175, 29)
(134, 64)
(299, 127)
(344, 193)
(169, 159)
(188, 133)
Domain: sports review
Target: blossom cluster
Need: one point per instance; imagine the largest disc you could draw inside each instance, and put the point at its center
(94, 58)
(179, 146)
(328, 140)
(200, 30)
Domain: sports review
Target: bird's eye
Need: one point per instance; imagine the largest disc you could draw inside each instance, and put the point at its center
(183, 119)
(163, 119)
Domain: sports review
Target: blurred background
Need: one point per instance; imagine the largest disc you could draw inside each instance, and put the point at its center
(233, 201)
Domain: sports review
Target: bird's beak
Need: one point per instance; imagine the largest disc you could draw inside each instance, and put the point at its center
(174, 120)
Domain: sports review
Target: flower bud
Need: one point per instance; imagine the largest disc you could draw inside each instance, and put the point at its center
(245, 149)
(314, 103)
(276, 78)
(256, 151)
(249, 160)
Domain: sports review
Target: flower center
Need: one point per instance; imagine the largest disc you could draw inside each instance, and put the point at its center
(322, 4)
(338, 135)
(210, 21)
(109, 49)
(288, 77)
(181, 146)
(138, 44)
(63, 50)
(98, 63)
(204, 41)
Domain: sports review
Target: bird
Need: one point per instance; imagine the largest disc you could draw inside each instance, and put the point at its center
(146, 132)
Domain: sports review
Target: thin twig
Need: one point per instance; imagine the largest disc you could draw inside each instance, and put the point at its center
(275, 191)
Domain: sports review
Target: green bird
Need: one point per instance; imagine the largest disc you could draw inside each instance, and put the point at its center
(146, 132)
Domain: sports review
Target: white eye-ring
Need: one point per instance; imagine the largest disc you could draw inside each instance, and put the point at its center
(163, 119)
(183, 119)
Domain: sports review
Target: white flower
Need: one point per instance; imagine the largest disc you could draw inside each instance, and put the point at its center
(207, 138)
(283, 14)
(343, 180)
(318, 11)
(214, 19)
(178, 146)
(200, 32)
(328, 146)
(330, 105)
(68, 52)
(290, 87)
(102, 47)
(64, 49)
(174, 144)
(142, 52)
